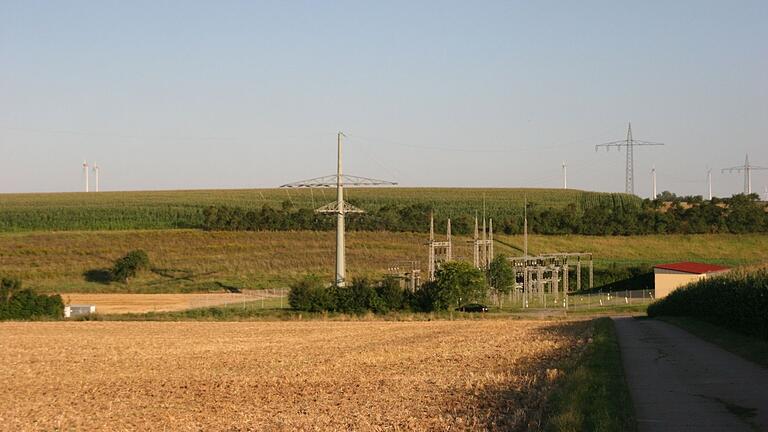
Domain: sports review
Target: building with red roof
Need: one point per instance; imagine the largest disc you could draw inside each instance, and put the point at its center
(669, 277)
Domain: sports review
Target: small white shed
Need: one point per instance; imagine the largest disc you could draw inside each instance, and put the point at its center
(78, 310)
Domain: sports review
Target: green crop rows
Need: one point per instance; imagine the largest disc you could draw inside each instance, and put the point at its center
(183, 209)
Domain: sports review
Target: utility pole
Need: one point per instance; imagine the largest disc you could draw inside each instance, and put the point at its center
(629, 144)
(525, 227)
(340, 208)
(565, 175)
(653, 174)
(747, 170)
(341, 260)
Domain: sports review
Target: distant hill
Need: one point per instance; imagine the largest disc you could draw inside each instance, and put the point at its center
(183, 209)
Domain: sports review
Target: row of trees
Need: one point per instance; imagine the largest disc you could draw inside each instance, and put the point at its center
(738, 214)
(455, 284)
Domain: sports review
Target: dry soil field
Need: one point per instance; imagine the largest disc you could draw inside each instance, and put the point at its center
(318, 375)
(140, 303)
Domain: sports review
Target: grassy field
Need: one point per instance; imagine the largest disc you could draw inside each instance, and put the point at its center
(194, 261)
(439, 375)
(594, 395)
(183, 209)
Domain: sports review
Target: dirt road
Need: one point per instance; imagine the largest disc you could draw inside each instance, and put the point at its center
(679, 382)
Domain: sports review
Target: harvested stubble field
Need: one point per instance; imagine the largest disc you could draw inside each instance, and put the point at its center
(318, 375)
(108, 303)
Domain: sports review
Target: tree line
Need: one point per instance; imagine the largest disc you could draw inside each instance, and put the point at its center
(456, 283)
(668, 214)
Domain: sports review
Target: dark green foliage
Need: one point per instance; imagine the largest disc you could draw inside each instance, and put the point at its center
(310, 294)
(390, 296)
(18, 303)
(501, 275)
(456, 283)
(130, 265)
(738, 300)
(361, 296)
(739, 214)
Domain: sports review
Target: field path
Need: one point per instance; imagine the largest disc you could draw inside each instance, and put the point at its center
(679, 382)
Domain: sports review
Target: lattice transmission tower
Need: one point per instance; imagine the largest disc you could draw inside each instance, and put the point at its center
(629, 144)
(747, 169)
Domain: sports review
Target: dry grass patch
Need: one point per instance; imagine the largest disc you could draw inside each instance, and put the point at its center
(443, 375)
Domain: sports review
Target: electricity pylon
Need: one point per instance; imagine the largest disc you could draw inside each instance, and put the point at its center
(339, 207)
(747, 170)
(629, 143)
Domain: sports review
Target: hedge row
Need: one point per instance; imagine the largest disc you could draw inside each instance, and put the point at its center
(737, 300)
(456, 283)
(24, 304)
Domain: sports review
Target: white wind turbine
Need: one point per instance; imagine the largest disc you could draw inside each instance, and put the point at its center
(96, 175)
(85, 171)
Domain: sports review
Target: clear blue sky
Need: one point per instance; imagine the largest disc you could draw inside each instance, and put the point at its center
(167, 95)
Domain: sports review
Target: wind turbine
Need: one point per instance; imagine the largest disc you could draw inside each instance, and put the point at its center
(565, 175)
(85, 171)
(96, 174)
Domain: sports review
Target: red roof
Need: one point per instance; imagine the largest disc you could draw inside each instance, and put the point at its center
(692, 267)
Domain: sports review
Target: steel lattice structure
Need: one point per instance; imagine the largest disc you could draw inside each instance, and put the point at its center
(747, 169)
(629, 144)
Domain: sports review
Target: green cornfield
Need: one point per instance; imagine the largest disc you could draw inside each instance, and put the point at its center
(183, 209)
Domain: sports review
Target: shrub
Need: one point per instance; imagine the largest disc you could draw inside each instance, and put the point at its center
(455, 283)
(310, 294)
(130, 265)
(390, 296)
(18, 303)
(359, 297)
(737, 300)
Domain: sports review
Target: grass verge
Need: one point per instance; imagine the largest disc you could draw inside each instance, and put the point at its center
(748, 347)
(593, 395)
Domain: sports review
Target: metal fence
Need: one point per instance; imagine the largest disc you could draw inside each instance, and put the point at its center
(519, 300)
(273, 298)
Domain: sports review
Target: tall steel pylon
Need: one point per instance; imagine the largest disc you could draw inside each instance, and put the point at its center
(629, 143)
(747, 170)
(339, 207)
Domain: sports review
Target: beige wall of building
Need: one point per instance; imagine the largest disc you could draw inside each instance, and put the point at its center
(666, 281)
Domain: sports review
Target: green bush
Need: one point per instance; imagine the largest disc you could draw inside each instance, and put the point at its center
(456, 283)
(18, 303)
(361, 296)
(310, 294)
(130, 265)
(737, 300)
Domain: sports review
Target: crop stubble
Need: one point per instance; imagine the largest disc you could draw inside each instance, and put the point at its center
(317, 375)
